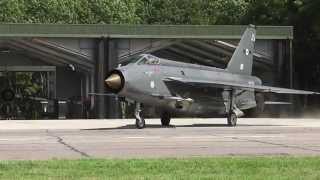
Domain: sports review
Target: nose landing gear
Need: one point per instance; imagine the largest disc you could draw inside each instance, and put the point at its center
(140, 122)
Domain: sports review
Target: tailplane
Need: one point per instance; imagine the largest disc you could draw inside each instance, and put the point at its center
(242, 59)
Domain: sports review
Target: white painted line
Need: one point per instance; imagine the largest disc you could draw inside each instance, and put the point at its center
(143, 137)
(195, 137)
(255, 136)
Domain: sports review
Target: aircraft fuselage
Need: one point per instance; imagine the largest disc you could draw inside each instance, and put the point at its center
(145, 83)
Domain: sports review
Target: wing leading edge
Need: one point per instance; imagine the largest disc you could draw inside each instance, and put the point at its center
(237, 86)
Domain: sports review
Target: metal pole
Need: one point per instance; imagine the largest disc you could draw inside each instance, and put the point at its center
(100, 74)
(291, 64)
(112, 61)
(293, 107)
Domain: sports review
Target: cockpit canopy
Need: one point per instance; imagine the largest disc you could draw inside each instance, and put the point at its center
(142, 59)
(149, 59)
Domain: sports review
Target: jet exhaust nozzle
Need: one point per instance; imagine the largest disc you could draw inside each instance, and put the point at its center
(115, 81)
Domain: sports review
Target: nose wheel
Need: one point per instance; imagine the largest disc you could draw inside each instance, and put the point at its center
(140, 122)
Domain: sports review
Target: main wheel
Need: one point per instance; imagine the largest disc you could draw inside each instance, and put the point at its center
(140, 123)
(165, 119)
(232, 120)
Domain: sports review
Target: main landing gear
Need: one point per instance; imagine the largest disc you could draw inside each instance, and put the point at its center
(165, 118)
(140, 122)
(233, 111)
(232, 119)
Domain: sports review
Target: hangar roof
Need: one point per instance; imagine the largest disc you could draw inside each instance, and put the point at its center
(141, 31)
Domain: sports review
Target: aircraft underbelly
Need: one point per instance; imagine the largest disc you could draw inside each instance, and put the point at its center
(204, 108)
(200, 106)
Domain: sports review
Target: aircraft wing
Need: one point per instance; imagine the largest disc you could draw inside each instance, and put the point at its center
(236, 86)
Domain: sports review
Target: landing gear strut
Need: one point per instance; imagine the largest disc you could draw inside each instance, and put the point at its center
(232, 116)
(140, 122)
(232, 119)
(165, 118)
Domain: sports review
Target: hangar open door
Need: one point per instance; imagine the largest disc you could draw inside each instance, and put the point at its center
(27, 92)
(43, 83)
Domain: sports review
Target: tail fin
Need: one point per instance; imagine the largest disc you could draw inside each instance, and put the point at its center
(242, 59)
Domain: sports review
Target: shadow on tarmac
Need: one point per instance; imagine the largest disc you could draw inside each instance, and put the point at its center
(156, 126)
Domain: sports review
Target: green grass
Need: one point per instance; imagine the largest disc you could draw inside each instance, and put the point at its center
(191, 168)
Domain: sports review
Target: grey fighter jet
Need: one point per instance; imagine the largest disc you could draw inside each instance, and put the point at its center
(182, 88)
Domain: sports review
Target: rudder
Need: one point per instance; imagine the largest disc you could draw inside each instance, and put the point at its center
(242, 59)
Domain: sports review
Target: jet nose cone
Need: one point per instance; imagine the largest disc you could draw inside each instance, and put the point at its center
(114, 82)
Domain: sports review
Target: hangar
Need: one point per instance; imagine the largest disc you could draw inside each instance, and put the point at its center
(59, 66)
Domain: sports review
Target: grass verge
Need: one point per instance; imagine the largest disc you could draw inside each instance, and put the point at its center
(188, 168)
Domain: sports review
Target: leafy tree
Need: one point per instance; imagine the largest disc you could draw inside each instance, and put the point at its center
(12, 11)
(271, 12)
(310, 9)
(114, 11)
(202, 12)
(306, 21)
(123, 11)
(225, 11)
(69, 11)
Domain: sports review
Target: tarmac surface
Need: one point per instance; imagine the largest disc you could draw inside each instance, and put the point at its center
(73, 139)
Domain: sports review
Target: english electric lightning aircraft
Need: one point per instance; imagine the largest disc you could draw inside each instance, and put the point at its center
(175, 87)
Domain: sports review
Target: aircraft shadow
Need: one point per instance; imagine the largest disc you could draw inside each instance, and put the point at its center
(156, 126)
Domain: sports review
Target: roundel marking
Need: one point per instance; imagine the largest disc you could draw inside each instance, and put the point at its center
(247, 52)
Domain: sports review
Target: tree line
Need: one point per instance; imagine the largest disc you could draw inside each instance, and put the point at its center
(123, 11)
(304, 14)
